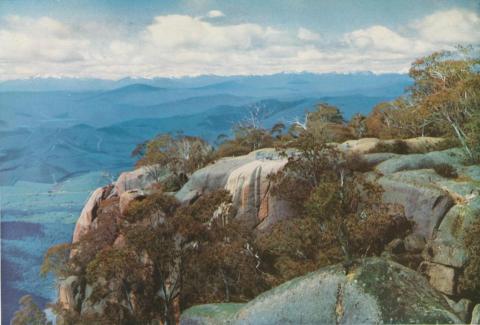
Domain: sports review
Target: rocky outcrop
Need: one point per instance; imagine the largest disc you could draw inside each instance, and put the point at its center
(366, 145)
(372, 291)
(140, 178)
(246, 178)
(442, 209)
(89, 212)
(423, 202)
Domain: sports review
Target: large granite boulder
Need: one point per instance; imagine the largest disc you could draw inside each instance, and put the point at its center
(454, 157)
(423, 202)
(443, 208)
(140, 178)
(372, 291)
(365, 145)
(245, 177)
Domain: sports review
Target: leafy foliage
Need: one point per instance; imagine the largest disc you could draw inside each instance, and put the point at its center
(173, 159)
(29, 313)
(443, 101)
(56, 261)
(340, 214)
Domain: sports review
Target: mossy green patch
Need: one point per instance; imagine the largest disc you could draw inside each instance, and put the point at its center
(395, 288)
(213, 313)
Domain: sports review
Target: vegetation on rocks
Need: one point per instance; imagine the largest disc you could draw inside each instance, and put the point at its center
(443, 101)
(470, 280)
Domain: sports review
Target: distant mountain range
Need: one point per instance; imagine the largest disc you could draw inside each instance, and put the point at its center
(281, 84)
(51, 129)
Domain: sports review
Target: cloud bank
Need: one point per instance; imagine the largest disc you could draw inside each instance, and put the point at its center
(179, 45)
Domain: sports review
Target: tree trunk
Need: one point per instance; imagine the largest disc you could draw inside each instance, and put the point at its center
(460, 136)
(227, 288)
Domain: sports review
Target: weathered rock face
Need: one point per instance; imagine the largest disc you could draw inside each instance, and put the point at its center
(365, 145)
(443, 209)
(68, 293)
(374, 291)
(424, 203)
(250, 190)
(89, 212)
(245, 177)
(140, 178)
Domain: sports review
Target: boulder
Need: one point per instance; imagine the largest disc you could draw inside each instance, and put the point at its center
(441, 277)
(476, 315)
(423, 202)
(245, 177)
(212, 177)
(140, 178)
(363, 145)
(447, 246)
(454, 157)
(371, 291)
(67, 292)
(463, 308)
(250, 190)
(89, 212)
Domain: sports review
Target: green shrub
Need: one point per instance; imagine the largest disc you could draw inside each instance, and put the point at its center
(357, 163)
(397, 146)
(469, 283)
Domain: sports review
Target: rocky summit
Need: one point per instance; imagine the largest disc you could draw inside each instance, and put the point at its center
(374, 290)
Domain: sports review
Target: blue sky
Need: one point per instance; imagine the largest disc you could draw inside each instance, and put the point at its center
(119, 38)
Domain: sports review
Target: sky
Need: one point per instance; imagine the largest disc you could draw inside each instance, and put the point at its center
(113, 39)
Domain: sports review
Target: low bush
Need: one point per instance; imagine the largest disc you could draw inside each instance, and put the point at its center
(355, 162)
(469, 283)
(445, 170)
(397, 146)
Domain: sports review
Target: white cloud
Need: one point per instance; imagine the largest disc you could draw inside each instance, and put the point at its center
(450, 27)
(176, 45)
(43, 39)
(380, 38)
(184, 32)
(307, 35)
(215, 14)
